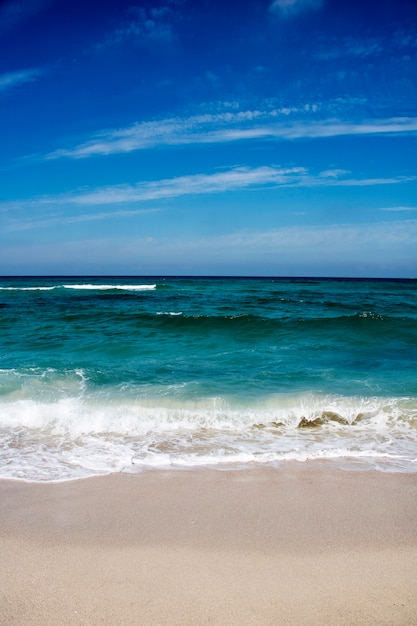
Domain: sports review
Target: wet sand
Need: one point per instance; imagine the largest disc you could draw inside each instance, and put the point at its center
(301, 544)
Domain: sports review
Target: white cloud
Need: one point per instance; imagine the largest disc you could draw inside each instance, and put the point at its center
(80, 206)
(367, 46)
(334, 128)
(332, 236)
(351, 47)
(361, 182)
(146, 26)
(294, 7)
(206, 128)
(19, 223)
(228, 180)
(399, 208)
(336, 173)
(227, 127)
(10, 80)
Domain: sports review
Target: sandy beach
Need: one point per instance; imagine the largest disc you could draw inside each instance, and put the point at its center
(302, 544)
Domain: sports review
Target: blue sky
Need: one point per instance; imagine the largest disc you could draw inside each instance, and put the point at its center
(257, 137)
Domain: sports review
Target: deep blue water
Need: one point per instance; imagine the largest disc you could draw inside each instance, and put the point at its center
(121, 373)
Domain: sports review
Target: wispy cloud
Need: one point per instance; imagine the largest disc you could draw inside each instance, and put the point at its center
(367, 46)
(19, 223)
(10, 80)
(82, 204)
(331, 236)
(289, 8)
(399, 208)
(145, 26)
(405, 37)
(144, 191)
(227, 127)
(351, 47)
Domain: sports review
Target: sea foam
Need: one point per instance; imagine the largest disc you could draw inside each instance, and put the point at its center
(84, 435)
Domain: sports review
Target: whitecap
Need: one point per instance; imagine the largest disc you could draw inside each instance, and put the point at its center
(107, 287)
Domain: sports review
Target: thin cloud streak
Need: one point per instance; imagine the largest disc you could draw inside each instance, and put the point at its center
(29, 223)
(235, 179)
(363, 47)
(399, 208)
(331, 235)
(10, 80)
(290, 8)
(225, 128)
(229, 180)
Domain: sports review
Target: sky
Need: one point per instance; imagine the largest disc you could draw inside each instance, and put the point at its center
(208, 137)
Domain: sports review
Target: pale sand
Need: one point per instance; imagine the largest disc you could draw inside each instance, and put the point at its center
(303, 544)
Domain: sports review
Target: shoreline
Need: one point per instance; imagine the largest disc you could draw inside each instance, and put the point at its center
(301, 544)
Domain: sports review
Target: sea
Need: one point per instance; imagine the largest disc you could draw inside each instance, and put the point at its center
(129, 374)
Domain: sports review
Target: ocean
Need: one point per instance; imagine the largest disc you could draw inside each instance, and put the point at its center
(121, 374)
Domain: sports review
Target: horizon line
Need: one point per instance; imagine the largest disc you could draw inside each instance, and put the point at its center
(210, 276)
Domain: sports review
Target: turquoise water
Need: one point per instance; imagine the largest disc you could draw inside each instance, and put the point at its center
(100, 375)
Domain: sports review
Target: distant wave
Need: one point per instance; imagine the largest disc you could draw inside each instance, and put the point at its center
(83, 286)
(106, 287)
(27, 288)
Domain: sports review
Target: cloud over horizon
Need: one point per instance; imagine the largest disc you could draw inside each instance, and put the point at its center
(329, 247)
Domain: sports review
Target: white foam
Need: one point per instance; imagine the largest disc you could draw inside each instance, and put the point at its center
(88, 286)
(27, 288)
(90, 433)
(107, 287)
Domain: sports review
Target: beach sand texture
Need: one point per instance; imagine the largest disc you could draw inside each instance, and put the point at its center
(301, 544)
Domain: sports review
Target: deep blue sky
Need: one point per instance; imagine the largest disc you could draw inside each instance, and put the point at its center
(257, 137)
